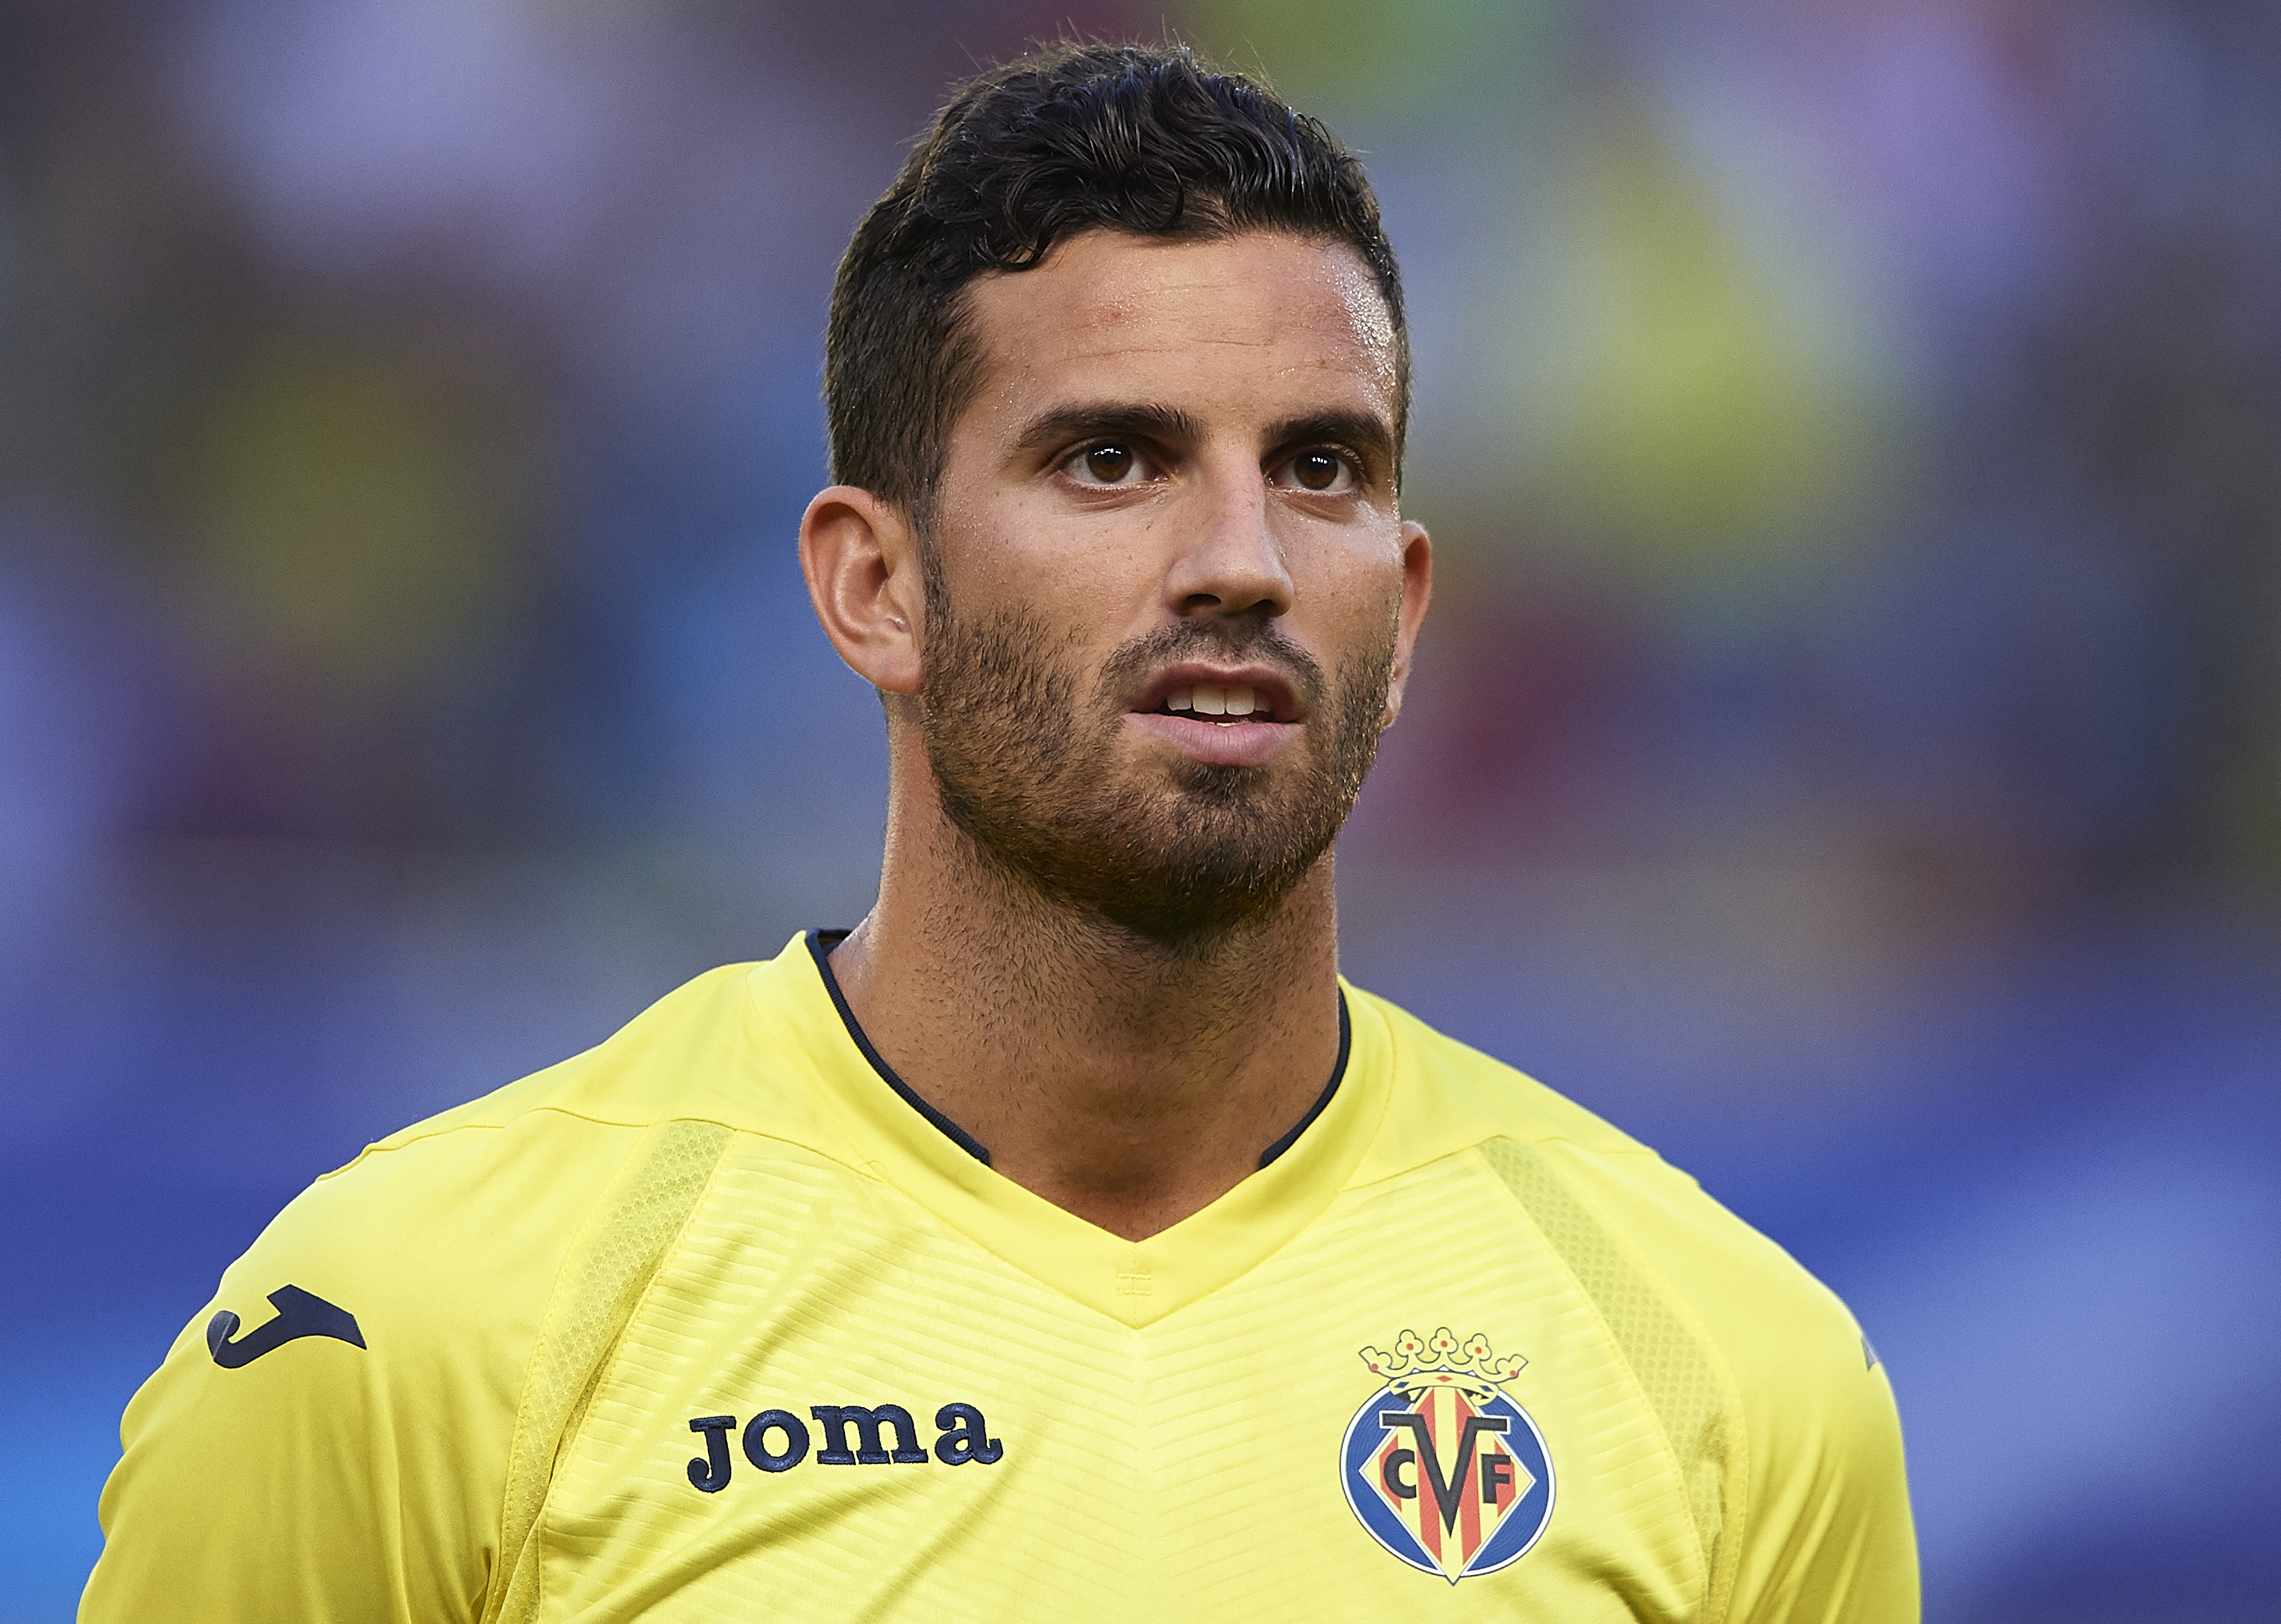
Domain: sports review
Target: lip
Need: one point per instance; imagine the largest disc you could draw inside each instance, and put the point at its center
(1216, 744)
(1246, 743)
(1266, 683)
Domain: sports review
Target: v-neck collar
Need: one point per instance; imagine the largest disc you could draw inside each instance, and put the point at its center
(820, 944)
(899, 1139)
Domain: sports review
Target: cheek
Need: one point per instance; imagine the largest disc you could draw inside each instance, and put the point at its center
(1359, 588)
(1083, 584)
(1072, 603)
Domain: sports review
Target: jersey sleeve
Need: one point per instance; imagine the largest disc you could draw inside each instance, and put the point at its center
(1828, 1537)
(1813, 1524)
(328, 1442)
(1823, 1529)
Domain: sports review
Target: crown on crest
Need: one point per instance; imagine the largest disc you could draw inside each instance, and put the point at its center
(1419, 1364)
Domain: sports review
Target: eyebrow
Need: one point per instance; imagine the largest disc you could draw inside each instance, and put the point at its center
(1366, 432)
(1109, 419)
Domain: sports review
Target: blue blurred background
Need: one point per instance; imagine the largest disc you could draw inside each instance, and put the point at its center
(1847, 750)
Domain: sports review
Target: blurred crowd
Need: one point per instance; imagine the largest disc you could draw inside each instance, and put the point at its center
(1862, 414)
(1847, 744)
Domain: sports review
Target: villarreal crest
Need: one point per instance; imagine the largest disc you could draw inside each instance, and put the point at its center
(1444, 1470)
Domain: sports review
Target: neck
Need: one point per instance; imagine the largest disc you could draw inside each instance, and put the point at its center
(1128, 1081)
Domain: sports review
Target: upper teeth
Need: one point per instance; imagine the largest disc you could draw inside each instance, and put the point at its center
(1207, 700)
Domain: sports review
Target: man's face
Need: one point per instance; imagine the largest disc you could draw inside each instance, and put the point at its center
(1169, 596)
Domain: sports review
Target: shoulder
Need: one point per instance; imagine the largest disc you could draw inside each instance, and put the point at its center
(1759, 1376)
(1447, 1094)
(642, 1073)
(442, 1239)
(1751, 1363)
(449, 1225)
(438, 1248)
(1667, 1264)
(366, 1375)
(1590, 1187)
(456, 1225)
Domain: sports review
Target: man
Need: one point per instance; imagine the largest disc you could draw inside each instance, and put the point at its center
(1067, 1240)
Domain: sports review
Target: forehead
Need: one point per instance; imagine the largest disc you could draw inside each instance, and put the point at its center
(1257, 320)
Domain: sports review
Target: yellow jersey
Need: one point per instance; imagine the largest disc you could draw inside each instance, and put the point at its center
(714, 1322)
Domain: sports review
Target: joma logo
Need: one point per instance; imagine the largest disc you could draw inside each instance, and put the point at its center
(777, 1440)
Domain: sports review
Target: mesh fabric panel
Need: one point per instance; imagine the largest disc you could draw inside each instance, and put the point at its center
(626, 1238)
(1692, 1403)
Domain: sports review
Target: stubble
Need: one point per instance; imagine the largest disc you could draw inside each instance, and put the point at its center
(1025, 757)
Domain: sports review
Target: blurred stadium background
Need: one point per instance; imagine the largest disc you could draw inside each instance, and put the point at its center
(1847, 751)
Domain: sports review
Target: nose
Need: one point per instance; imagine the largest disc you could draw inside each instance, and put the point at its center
(1231, 563)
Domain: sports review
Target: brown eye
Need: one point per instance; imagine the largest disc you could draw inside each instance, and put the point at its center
(1317, 470)
(1108, 464)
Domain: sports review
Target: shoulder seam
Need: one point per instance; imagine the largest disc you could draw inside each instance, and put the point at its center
(638, 1125)
(1473, 1147)
(409, 1138)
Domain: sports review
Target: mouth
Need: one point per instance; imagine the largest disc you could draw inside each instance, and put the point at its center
(1221, 717)
(1223, 699)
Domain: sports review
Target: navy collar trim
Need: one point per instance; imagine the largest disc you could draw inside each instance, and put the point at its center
(820, 944)
(1338, 1075)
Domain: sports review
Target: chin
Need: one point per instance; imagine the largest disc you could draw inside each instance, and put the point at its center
(1221, 849)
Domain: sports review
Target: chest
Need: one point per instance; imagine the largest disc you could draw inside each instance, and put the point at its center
(829, 1405)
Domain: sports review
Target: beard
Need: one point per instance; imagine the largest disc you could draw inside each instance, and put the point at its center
(1024, 756)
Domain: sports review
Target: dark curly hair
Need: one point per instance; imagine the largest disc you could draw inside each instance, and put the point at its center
(1139, 138)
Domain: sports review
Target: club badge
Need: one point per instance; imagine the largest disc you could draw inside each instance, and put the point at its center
(1442, 1469)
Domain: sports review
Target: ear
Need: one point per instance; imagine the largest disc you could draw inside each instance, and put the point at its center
(1417, 589)
(861, 557)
